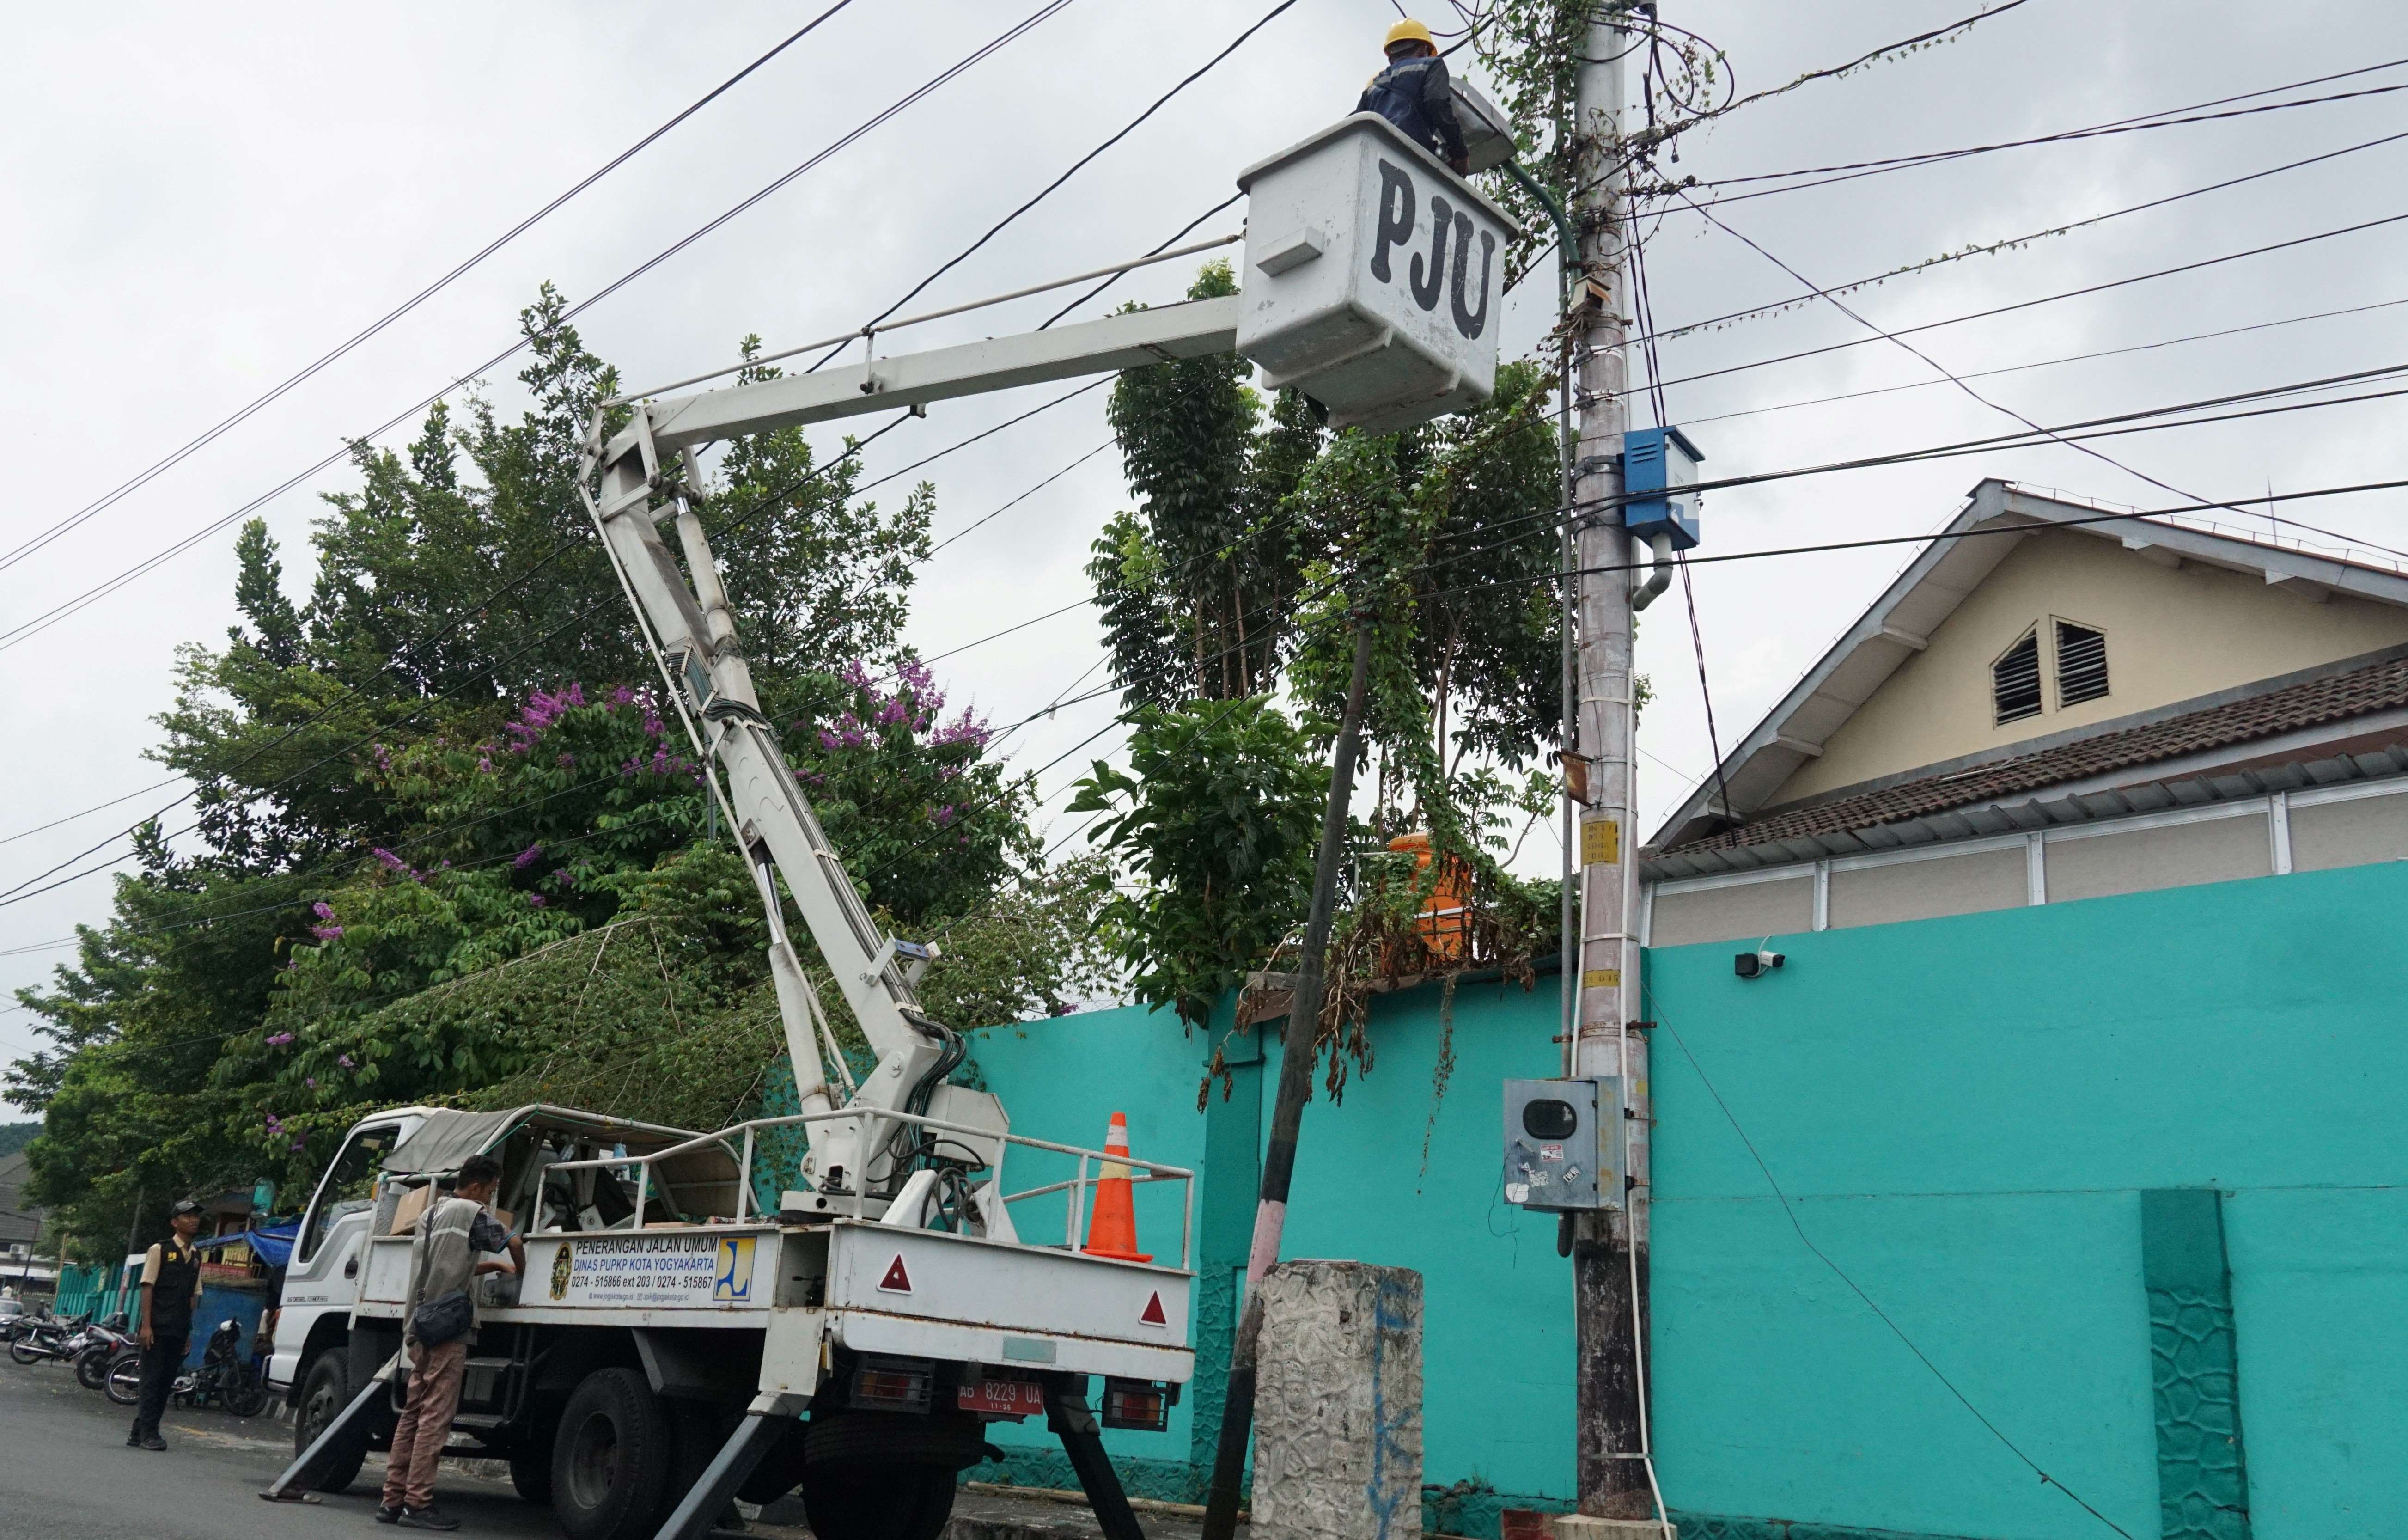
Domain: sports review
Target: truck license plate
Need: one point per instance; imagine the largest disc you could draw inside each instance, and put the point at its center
(1003, 1398)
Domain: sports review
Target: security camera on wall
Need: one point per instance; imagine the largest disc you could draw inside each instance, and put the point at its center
(1749, 965)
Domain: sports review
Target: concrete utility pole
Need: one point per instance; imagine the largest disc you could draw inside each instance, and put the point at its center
(1609, 1249)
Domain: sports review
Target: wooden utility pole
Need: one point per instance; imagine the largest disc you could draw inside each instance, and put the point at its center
(1297, 1057)
(1609, 1249)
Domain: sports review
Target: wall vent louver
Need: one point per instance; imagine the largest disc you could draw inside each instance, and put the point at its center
(2081, 663)
(2014, 680)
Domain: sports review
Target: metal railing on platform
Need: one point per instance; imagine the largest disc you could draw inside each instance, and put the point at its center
(1077, 1186)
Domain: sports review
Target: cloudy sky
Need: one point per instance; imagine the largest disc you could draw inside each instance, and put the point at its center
(193, 205)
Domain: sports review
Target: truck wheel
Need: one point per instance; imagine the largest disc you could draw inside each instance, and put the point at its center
(326, 1391)
(850, 1502)
(531, 1472)
(611, 1460)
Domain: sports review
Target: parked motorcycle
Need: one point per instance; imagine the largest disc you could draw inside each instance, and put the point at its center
(226, 1377)
(103, 1342)
(47, 1339)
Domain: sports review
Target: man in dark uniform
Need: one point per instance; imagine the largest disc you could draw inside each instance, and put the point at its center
(1414, 93)
(171, 1286)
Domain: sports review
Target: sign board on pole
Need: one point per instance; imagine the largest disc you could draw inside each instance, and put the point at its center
(1373, 277)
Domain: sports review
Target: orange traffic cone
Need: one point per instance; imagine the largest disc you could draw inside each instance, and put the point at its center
(1111, 1227)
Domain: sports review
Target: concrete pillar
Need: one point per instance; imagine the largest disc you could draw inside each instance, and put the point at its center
(1337, 1404)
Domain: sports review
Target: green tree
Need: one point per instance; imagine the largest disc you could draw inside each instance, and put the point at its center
(1216, 817)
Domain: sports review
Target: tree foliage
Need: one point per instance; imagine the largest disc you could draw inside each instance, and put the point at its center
(451, 848)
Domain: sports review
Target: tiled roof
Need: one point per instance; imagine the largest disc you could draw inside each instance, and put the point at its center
(2309, 704)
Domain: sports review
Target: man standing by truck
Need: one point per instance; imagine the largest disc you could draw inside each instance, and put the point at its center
(444, 1262)
(171, 1286)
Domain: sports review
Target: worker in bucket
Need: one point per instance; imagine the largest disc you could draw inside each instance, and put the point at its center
(1414, 93)
(444, 1262)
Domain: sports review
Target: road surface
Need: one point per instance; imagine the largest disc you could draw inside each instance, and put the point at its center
(66, 1473)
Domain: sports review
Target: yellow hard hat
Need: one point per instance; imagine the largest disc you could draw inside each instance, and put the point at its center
(1409, 31)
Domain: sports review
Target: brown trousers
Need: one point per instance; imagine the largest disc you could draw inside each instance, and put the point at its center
(425, 1425)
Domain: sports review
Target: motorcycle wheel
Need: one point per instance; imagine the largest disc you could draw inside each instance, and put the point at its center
(247, 1396)
(23, 1351)
(125, 1378)
(91, 1365)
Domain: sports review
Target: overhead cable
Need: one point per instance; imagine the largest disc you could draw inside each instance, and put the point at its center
(60, 611)
(1852, 170)
(1993, 248)
(2043, 300)
(1075, 167)
(209, 435)
(2048, 363)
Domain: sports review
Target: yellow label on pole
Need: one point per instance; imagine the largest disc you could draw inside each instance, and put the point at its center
(1600, 841)
(1601, 978)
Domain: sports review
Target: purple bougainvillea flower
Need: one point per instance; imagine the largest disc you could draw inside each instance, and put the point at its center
(280, 1040)
(345, 1060)
(391, 861)
(537, 899)
(323, 910)
(528, 857)
(325, 932)
(310, 1081)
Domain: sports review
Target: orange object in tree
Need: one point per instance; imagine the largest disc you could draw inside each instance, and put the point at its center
(1112, 1226)
(1446, 913)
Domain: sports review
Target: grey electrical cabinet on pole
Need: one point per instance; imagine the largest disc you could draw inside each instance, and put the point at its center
(1564, 1144)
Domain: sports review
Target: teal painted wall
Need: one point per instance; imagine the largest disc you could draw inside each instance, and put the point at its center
(1964, 1111)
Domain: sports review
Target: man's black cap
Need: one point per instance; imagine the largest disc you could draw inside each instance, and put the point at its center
(183, 1206)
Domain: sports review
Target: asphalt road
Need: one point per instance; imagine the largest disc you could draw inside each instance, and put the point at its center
(66, 1473)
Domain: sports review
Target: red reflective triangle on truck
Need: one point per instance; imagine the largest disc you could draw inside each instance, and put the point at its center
(897, 1281)
(1151, 1315)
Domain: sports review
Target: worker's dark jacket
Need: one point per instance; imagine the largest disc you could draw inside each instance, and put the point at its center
(1416, 96)
(171, 1292)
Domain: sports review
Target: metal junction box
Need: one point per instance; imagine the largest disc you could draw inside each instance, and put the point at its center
(1659, 466)
(1373, 277)
(1563, 1144)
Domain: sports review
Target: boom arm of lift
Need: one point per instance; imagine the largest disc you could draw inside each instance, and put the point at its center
(687, 616)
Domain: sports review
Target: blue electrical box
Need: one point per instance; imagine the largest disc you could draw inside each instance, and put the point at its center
(1658, 465)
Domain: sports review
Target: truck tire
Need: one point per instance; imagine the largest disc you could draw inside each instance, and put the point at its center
(610, 1460)
(531, 1472)
(326, 1391)
(856, 1501)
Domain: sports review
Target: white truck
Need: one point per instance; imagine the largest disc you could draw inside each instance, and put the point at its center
(679, 1340)
(664, 1322)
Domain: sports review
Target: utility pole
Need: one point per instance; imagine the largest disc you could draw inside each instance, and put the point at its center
(1297, 1057)
(1609, 1249)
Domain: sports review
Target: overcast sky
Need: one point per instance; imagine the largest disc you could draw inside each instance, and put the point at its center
(193, 204)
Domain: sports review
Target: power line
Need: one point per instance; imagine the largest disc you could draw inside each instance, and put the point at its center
(1938, 367)
(1075, 167)
(2046, 363)
(1164, 246)
(211, 434)
(1855, 169)
(2010, 243)
(25, 630)
(2043, 300)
